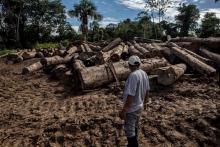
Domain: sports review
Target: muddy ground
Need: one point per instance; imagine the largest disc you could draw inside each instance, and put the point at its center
(38, 111)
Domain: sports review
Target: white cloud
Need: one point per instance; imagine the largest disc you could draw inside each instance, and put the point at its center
(203, 12)
(132, 4)
(67, 16)
(76, 28)
(108, 20)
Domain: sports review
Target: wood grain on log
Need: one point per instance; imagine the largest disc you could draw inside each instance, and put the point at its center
(212, 56)
(195, 63)
(96, 76)
(169, 74)
(33, 67)
(28, 55)
(191, 53)
(54, 60)
(111, 45)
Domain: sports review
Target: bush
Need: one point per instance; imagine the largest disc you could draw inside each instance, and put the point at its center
(5, 52)
(46, 45)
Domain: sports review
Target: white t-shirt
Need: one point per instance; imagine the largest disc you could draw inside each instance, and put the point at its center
(136, 85)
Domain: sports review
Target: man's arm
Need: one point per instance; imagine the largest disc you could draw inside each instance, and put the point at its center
(126, 106)
(146, 99)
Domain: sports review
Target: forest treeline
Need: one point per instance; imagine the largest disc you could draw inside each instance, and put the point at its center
(26, 22)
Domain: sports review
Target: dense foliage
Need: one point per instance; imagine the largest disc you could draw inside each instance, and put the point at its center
(28, 23)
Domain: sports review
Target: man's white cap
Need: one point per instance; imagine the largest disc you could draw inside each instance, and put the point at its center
(134, 60)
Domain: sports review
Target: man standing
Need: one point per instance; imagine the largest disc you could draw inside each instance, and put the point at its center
(134, 98)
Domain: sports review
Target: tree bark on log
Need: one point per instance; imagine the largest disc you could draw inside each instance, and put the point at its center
(210, 42)
(112, 45)
(114, 55)
(72, 50)
(87, 48)
(125, 54)
(95, 48)
(59, 71)
(28, 55)
(55, 60)
(205, 60)
(82, 48)
(78, 65)
(34, 67)
(96, 76)
(154, 52)
(195, 63)
(133, 51)
(169, 74)
(144, 51)
(212, 56)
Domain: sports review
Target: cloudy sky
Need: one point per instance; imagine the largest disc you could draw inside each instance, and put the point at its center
(115, 11)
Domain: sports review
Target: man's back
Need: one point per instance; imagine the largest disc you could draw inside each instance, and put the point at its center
(136, 85)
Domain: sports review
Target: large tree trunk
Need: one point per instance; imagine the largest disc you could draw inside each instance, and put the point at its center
(72, 50)
(87, 48)
(144, 51)
(34, 67)
(78, 65)
(191, 53)
(59, 71)
(212, 56)
(210, 42)
(154, 52)
(112, 45)
(132, 50)
(125, 54)
(55, 60)
(29, 55)
(96, 76)
(195, 63)
(169, 74)
(114, 55)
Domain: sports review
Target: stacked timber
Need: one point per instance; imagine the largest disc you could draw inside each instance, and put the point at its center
(92, 65)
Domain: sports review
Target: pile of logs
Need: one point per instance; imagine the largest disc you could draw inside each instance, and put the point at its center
(86, 63)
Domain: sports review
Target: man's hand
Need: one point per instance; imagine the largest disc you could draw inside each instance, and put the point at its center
(122, 114)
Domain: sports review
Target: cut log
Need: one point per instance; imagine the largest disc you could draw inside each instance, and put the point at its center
(114, 55)
(34, 67)
(210, 42)
(195, 63)
(40, 55)
(154, 52)
(59, 71)
(212, 56)
(28, 55)
(169, 74)
(112, 45)
(94, 48)
(54, 60)
(191, 53)
(125, 54)
(96, 76)
(82, 48)
(133, 51)
(78, 65)
(144, 51)
(87, 48)
(72, 50)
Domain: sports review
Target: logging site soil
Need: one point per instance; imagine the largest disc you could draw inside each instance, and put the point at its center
(39, 111)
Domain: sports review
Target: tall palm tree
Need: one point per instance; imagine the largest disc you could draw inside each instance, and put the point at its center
(83, 11)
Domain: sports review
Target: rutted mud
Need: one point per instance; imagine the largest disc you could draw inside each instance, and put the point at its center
(37, 111)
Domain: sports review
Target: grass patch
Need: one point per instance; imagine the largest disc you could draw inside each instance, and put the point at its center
(46, 45)
(6, 52)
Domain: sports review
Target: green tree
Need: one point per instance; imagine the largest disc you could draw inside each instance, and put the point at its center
(85, 10)
(187, 17)
(144, 23)
(210, 25)
(26, 22)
